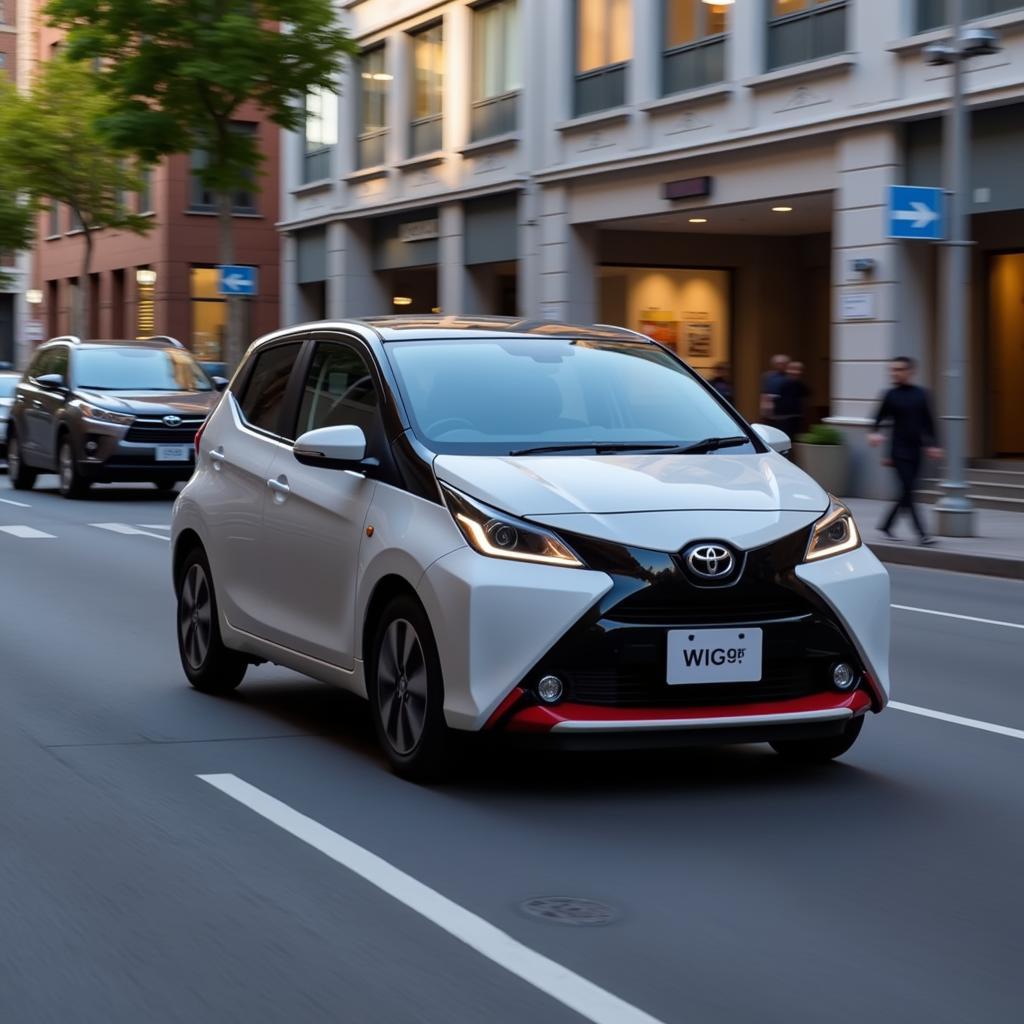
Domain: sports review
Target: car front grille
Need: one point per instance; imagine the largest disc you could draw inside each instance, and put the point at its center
(146, 430)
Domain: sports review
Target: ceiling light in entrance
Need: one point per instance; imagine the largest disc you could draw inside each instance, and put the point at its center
(782, 209)
(698, 220)
(719, 3)
(402, 300)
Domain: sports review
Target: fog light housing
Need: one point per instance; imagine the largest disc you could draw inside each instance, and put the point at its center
(843, 676)
(550, 689)
(91, 446)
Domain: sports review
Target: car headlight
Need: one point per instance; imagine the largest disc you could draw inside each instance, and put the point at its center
(498, 535)
(834, 533)
(94, 412)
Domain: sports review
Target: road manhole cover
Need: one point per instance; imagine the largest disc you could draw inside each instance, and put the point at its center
(569, 910)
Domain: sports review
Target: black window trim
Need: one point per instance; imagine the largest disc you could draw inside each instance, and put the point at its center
(246, 378)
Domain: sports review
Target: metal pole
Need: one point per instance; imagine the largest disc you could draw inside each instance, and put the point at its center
(954, 512)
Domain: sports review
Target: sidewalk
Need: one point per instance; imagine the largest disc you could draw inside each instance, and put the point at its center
(997, 550)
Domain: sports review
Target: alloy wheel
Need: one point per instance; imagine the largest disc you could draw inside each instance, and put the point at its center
(195, 616)
(402, 686)
(67, 469)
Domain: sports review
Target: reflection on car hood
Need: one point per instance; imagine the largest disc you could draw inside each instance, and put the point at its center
(553, 485)
(153, 403)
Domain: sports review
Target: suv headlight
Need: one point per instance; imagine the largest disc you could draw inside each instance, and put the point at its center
(498, 535)
(94, 412)
(834, 533)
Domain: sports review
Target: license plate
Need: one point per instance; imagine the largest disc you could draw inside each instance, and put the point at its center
(714, 656)
(173, 453)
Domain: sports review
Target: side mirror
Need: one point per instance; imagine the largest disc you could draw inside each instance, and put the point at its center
(51, 381)
(341, 447)
(220, 383)
(778, 440)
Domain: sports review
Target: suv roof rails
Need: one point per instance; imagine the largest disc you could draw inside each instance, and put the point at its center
(73, 338)
(164, 337)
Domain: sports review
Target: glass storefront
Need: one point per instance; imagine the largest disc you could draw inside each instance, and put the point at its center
(209, 315)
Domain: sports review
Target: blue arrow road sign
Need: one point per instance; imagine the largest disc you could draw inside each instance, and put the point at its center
(916, 213)
(237, 280)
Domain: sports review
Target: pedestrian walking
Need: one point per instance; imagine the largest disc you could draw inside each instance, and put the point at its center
(907, 407)
(771, 386)
(721, 383)
(791, 405)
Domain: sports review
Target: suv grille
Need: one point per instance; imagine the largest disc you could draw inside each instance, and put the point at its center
(153, 430)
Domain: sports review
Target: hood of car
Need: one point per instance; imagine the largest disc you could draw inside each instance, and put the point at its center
(153, 403)
(555, 485)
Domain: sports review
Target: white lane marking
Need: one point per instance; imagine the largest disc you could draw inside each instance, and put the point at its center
(954, 615)
(586, 998)
(154, 526)
(16, 504)
(970, 723)
(26, 532)
(126, 530)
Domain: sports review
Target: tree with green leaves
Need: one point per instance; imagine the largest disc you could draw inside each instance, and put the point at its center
(50, 146)
(181, 75)
(16, 218)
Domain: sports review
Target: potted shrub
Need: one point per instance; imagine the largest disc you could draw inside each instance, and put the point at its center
(822, 454)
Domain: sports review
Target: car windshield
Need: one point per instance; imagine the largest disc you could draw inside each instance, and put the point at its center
(558, 396)
(7, 385)
(139, 369)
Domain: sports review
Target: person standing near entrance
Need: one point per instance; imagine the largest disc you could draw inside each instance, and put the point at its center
(791, 405)
(771, 387)
(908, 408)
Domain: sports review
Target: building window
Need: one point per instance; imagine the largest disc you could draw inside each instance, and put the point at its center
(604, 45)
(144, 197)
(803, 30)
(373, 107)
(321, 134)
(209, 315)
(932, 13)
(694, 44)
(428, 90)
(201, 199)
(496, 74)
(53, 224)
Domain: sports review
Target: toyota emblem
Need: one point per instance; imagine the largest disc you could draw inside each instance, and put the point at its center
(172, 421)
(710, 561)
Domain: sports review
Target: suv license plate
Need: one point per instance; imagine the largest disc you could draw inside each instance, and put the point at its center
(698, 656)
(173, 453)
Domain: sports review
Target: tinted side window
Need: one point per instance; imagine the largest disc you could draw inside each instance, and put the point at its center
(265, 391)
(40, 364)
(60, 362)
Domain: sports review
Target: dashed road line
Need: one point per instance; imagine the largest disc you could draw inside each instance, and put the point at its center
(970, 723)
(154, 526)
(128, 531)
(26, 533)
(588, 1000)
(962, 618)
(16, 504)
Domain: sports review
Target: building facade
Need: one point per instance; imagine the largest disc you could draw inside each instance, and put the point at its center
(15, 311)
(165, 282)
(715, 175)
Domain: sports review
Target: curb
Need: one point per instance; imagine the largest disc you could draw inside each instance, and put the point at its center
(949, 561)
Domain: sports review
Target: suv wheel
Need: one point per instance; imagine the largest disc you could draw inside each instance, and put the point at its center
(22, 477)
(72, 484)
(406, 692)
(210, 666)
(820, 751)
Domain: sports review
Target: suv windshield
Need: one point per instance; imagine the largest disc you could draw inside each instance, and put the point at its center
(139, 369)
(555, 396)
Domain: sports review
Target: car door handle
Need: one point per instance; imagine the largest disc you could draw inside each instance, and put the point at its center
(36, 404)
(279, 486)
(217, 455)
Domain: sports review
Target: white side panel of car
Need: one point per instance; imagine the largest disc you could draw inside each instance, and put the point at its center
(857, 587)
(494, 619)
(673, 531)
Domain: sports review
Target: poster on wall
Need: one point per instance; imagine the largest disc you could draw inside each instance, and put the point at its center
(660, 325)
(700, 339)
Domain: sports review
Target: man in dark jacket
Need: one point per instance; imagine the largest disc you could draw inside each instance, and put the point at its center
(908, 408)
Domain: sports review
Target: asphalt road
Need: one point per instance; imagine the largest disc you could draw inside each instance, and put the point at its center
(883, 888)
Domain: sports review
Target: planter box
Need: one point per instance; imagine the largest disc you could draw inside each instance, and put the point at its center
(828, 464)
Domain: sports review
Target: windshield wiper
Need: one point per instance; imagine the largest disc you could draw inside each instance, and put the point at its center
(712, 444)
(600, 449)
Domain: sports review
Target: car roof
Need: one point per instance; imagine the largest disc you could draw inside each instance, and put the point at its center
(157, 342)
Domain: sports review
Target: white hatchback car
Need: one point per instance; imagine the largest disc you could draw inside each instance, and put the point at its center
(526, 528)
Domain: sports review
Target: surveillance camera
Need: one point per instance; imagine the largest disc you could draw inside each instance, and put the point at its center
(863, 265)
(979, 42)
(939, 54)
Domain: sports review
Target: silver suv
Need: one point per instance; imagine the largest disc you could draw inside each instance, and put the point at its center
(108, 411)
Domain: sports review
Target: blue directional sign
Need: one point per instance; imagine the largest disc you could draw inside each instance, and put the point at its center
(916, 213)
(237, 280)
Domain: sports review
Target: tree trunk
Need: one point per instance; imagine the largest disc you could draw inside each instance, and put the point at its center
(234, 342)
(81, 315)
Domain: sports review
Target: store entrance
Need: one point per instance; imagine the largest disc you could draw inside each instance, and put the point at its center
(413, 290)
(1006, 334)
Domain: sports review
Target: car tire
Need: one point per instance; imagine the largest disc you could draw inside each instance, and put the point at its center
(72, 483)
(406, 692)
(22, 477)
(822, 750)
(210, 666)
